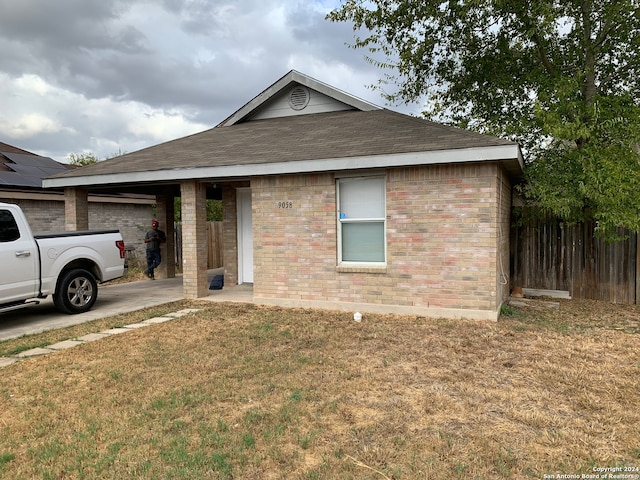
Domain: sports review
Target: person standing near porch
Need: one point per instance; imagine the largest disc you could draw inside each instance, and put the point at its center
(153, 239)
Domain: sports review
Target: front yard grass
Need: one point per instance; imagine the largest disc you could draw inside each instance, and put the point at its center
(255, 392)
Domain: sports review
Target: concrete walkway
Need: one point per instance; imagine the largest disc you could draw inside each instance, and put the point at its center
(36, 352)
(112, 300)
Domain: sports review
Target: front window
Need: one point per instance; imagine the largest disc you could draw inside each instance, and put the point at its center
(362, 220)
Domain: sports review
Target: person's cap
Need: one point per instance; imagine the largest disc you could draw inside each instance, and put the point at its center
(154, 223)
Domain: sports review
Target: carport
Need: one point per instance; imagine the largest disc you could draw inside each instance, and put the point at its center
(193, 193)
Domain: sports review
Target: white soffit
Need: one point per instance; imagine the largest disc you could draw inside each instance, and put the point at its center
(509, 153)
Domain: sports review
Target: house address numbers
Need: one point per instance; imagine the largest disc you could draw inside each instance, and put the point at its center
(285, 204)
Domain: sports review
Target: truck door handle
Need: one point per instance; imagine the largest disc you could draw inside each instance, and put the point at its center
(23, 253)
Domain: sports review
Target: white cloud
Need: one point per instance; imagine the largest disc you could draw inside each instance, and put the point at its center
(30, 106)
(33, 84)
(90, 75)
(160, 125)
(103, 126)
(31, 124)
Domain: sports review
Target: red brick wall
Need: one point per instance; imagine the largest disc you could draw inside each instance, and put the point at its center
(447, 234)
(295, 243)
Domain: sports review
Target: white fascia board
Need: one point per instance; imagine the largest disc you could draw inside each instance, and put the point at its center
(501, 152)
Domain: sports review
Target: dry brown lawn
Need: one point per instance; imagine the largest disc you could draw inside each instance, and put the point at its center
(253, 392)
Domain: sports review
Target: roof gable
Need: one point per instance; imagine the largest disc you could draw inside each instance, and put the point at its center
(296, 94)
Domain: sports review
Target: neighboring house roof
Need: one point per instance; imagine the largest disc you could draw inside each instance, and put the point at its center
(340, 132)
(22, 173)
(19, 168)
(5, 147)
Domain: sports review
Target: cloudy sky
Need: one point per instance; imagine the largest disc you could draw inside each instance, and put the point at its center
(109, 76)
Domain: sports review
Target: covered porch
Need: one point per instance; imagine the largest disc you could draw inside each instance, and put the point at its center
(194, 194)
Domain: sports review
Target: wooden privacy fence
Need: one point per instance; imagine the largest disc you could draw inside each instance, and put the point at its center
(549, 255)
(214, 242)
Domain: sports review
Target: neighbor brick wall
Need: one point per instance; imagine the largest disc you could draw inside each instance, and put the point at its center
(133, 220)
(42, 215)
(442, 240)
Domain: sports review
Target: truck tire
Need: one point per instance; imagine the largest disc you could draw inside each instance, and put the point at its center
(76, 293)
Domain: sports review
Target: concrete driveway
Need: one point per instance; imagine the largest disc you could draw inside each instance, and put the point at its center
(112, 300)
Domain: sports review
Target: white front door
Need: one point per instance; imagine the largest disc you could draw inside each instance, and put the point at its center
(245, 236)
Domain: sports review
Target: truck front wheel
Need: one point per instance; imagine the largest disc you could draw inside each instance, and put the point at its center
(76, 293)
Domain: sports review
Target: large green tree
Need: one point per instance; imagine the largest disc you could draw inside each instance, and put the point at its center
(561, 77)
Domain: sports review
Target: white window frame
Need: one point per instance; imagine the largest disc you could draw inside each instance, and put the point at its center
(341, 220)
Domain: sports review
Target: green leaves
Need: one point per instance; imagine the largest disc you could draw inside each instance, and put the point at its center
(82, 159)
(558, 76)
(598, 177)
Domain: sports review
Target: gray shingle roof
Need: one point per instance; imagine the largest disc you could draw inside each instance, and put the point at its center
(319, 136)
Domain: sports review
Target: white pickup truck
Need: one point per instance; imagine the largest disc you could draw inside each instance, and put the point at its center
(67, 265)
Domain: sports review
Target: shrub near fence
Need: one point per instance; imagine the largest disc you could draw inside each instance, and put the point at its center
(550, 255)
(214, 240)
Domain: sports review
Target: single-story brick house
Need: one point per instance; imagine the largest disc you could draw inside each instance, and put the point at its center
(330, 201)
(21, 174)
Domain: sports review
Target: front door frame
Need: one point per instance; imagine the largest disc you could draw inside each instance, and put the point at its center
(245, 235)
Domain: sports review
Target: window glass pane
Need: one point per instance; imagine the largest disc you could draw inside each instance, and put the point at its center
(362, 198)
(8, 227)
(363, 242)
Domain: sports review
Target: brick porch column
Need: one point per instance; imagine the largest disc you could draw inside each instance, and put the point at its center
(76, 209)
(194, 239)
(164, 205)
(230, 234)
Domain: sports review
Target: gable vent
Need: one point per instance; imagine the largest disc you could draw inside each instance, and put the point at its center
(299, 97)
